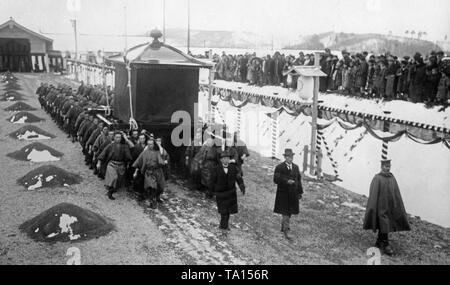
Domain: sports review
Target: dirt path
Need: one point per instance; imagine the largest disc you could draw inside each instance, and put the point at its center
(184, 229)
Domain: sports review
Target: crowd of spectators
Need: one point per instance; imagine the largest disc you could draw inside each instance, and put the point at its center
(417, 78)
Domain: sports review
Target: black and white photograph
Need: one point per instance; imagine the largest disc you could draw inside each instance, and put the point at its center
(227, 133)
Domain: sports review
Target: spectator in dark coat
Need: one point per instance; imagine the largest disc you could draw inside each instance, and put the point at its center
(417, 80)
(278, 65)
(390, 77)
(325, 65)
(289, 190)
(403, 75)
(432, 79)
(380, 79)
(364, 69)
(267, 70)
(243, 62)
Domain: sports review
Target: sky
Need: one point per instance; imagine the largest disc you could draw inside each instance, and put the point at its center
(285, 20)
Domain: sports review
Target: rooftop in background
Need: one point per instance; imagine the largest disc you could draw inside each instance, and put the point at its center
(11, 24)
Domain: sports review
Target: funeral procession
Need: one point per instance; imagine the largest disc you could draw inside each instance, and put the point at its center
(196, 132)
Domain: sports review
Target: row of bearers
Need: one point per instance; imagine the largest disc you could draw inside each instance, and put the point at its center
(113, 156)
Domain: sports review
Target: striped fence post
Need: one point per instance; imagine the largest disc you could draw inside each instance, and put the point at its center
(274, 127)
(238, 121)
(318, 148)
(384, 150)
(213, 115)
(333, 162)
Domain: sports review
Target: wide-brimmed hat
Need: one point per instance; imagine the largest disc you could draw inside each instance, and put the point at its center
(288, 152)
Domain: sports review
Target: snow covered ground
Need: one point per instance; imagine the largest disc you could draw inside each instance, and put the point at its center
(421, 170)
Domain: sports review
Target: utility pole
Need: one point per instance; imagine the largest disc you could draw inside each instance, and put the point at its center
(189, 27)
(74, 6)
(164, 21)
(74, 25)
(126, 27)
(314, 118)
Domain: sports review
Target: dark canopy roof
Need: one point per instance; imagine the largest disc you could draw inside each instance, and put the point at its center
(158, 53)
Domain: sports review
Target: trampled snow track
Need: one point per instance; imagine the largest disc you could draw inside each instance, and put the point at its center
(182, 220)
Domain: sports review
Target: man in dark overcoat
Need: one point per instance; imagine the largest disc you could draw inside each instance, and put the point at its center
(223, 181)
(385, 211)
(289, 190)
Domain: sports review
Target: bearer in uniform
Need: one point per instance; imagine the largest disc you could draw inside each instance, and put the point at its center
(115, 156)
(150, 163)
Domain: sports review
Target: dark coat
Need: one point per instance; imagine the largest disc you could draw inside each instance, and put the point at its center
(224, 185)
(385, 210)
(287, 198)
(208, 159)
(402, 86)
(417, 83)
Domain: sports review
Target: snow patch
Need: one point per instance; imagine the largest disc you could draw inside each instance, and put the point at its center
(52, 235)
(32, 136)
(21, 120)
(37, 185)
(50, 178)
(65, 222)
(41, 156)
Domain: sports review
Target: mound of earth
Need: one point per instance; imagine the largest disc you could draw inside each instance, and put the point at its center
(36, 152)
(31, 133)
(7, 78)
(66, 223)
(24, 117)
(48, 176)
(11, 96)
(12, 86)
(19, 106)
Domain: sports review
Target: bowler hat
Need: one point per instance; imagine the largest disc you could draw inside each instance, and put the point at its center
(225, 153)
(386, 161)
(288, 152)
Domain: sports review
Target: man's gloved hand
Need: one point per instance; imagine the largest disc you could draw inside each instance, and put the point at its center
(242, 187)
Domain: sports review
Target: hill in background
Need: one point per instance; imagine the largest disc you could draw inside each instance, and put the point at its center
(375, 43)
(216, 39)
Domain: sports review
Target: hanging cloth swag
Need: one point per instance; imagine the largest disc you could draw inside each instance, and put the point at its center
(240, 99)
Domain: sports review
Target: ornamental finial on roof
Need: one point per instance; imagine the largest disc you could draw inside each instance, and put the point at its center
(155, 34)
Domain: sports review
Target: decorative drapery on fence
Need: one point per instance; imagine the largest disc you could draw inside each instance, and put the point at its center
(418, 132)
(368, 126)
(90, 73)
